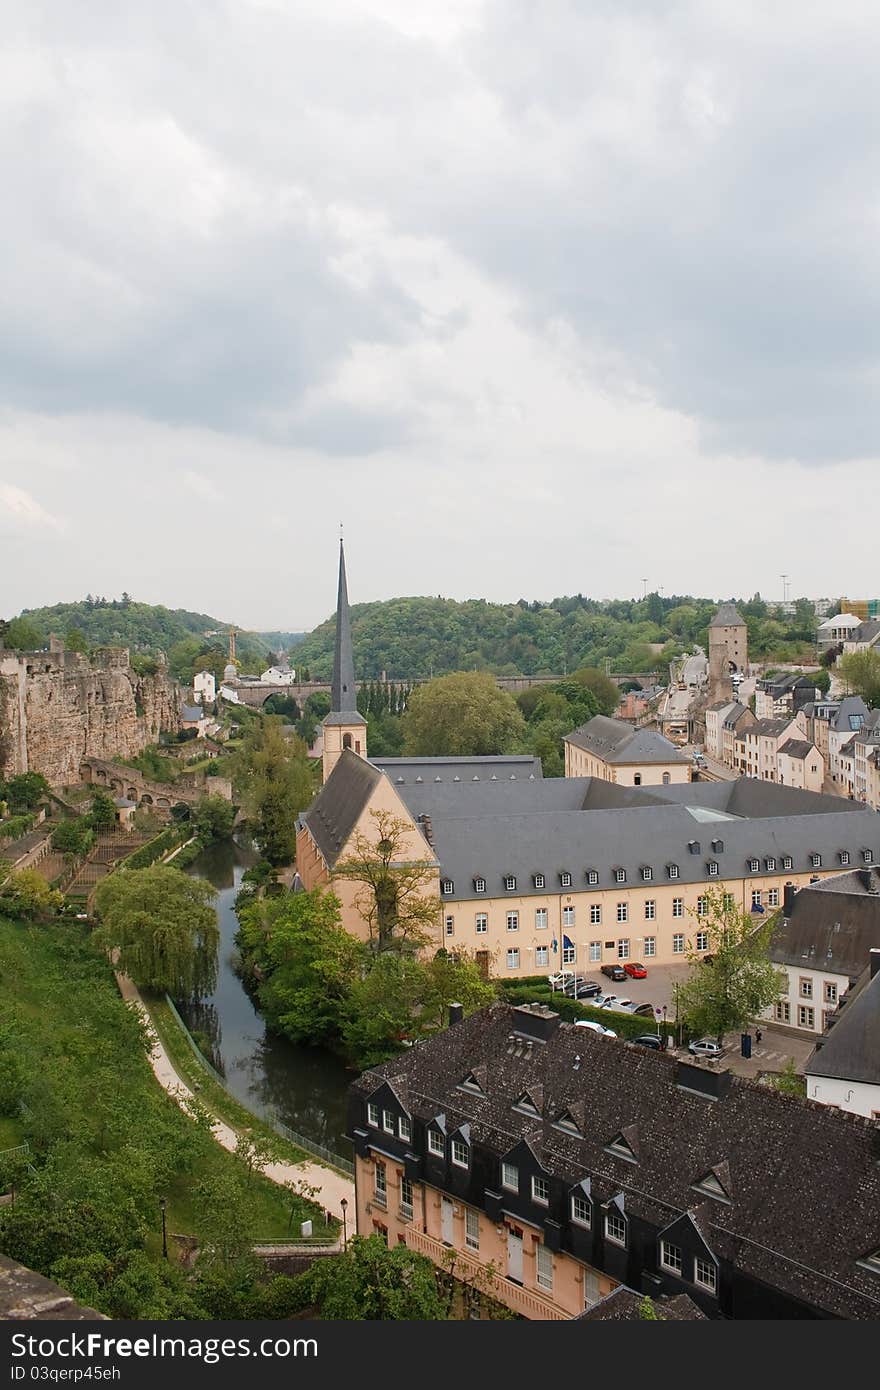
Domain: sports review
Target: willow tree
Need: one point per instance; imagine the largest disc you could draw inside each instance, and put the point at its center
(163, 926)
(396, 897)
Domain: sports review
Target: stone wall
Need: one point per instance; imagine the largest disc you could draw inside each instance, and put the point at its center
(59, 707)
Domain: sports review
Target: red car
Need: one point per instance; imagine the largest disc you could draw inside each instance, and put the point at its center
(635, 970)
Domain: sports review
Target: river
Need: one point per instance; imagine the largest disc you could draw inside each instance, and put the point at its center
(304, 1086)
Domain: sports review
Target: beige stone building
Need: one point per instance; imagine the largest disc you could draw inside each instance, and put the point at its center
(799, 764)
(728, 650)
(616, 752)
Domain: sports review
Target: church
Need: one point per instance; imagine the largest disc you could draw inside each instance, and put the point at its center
(533, 874)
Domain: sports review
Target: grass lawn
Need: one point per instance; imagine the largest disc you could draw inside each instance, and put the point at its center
(11, 1135)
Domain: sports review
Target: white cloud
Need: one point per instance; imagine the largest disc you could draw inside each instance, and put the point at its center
(19, 511)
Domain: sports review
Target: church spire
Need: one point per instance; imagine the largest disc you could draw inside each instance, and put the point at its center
(342, 700)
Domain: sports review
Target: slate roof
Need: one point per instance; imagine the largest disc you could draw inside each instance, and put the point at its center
(625, 1305)
(735, 714)
(728, 616)
(850, 714)
(833, 924)
(766, 728)
(850, 1050)
(616, 742)
(334, 813)
(510, 766)
(804, 1205)
(797, 748)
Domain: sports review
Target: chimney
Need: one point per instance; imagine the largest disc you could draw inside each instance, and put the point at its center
(427, 829)
(535, 1021)
(456, 1013)
(874, 961)
(714, 1085)
(788, 897)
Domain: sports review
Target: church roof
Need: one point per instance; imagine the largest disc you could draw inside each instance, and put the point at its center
(727, 616)
(343, 692)
(339, 804)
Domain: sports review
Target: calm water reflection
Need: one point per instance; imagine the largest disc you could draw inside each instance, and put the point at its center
(305, 1086)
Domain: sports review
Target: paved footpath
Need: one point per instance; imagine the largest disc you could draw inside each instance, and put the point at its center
(332, 1186)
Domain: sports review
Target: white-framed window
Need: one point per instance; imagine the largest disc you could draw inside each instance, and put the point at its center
(569, 953)
(623, 948)
(481, 923)
(702, 940)
(565, 880)
(787, 862)
(782, 1011)
(581, 1210)
(592, 1290)
(436, 1142)
(595, 950)
(510, 1177)
(404, 1127)
(406, 1197)
(678, 907)
(727, 901)
(754, 865)
(650, 945)
(568, 916)
(816, 860)
(615, 1228)
(673, 870)
(479, 885)
(705, 1275)
(513, 921)
(380, 1183)
(650, 910)
(472, 1229)
(544, 1267)
(623, 912)
(712, 866)
(806, 987)
(678, 943)
(592, 876)
(540, 919)
(844, 856)
(702, 905)
(595, 914)
(388, 1121)
(670, 1257)
(806, 1016)
(449, 923)
(830, 992)
(541, 1191)
(772, 897)
(447, 886)
(373, 1114)
(539, 880)
(756, 897)
(867, 856)
(460, 1153)
(770, 865)
(620, 875)
(647, 873)
(513, 958)
(542, 955)
(510, 883)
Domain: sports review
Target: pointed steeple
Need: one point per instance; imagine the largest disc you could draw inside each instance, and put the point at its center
(342, 699)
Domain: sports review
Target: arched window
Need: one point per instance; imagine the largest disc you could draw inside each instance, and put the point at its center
(666, 779)
(346, 740)
(637, 779)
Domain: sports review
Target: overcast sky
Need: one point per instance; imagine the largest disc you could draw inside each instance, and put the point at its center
(536, 297)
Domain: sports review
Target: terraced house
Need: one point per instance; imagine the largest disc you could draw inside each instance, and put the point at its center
(546, 1167)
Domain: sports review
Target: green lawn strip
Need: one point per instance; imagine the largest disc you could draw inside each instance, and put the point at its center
(210, 1092)
(10, 1134)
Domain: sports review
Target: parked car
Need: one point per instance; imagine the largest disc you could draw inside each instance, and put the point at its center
(649, 1040)
(614, 972)
(636, 970)
(595, 1027)
(560, 979)
(706, 1047)
(583, 989)
(645, 1010)
(605, 1001)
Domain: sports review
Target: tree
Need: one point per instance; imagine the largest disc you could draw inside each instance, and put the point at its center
(648, 1310)
(860, 673)
(25, 791)
(23, 636)
(368, 1282)
(395, 897)
(214, 818)
(25, 894)
(724, 994)
(462, 715)
(74, 836)
(602, 687)
(75, 640)
(103, 812)
(164, 927)
(276, 781)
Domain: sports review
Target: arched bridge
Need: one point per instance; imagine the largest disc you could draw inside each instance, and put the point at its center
(255, 693)
(160, 796)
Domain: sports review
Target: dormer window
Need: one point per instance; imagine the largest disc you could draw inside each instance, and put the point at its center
(447, 886)
(620, 875)
(770, 865)
(404, 1128)
(479, 885)
(712, 1186)
(541, 1191)
(816, 860)
(471, 1083)
(843, 856)
(712, 867)
(567, 1122)
(754, 865)
(717, 846)
(526, 1104)
(581, 1210)
(373, 1114)
(565, 879)
(647, 873)
(538, 880)
(388, 1121)
(592, 876)
(510, 1177)
(871, 1262)
(787, 862)
(672, 870)
(622, 1146)
(436, 1143)
(693, 846)
(460, 1153)
(867, 856)
(510, 883)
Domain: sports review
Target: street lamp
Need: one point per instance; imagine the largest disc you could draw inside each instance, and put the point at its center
(344, 1205)
(163, 1204)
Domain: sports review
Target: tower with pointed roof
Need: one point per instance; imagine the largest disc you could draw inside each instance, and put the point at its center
(728, 650)
(343, 727)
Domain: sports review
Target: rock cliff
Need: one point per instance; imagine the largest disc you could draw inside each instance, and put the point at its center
(58, 707)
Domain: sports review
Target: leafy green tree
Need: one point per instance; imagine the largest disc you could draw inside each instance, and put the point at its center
(648, 1310)
(25, 894)
(75, 640)
(213, 819)
(369, 1282)
(462, 715)
(860, 673)
(395, 896)
(103, 813)
(604, 690)
(380, 1008)
(451, 978)
(275, 781)
(73, 836)
(724, 994)
(164, 927)
(22, 635)
(25, 791)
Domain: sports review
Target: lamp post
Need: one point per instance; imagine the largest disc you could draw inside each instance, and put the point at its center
(163, 1204)
(344, 1205)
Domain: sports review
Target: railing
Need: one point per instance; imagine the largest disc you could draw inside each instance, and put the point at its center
(270, 1116)
(524, 1301)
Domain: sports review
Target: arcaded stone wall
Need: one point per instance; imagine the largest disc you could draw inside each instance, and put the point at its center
(57, 708)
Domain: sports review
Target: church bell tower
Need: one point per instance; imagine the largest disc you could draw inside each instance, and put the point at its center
(343, 727)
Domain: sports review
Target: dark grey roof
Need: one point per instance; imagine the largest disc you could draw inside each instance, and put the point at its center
(766, 728)
(616, 742)
(833, 924)
(334, 813)
(804, 1196)
(850, 715)
(727, 616)
(797, 747)
(735, 714)
(505, 766)
(347, 717)
(625, 1305)
(850, 1051)
(191, 713)
(343, 692)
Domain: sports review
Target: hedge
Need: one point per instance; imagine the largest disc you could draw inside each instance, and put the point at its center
(148, 854)
(16, 826)
(624, 1025)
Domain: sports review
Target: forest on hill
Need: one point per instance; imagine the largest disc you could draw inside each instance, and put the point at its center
(416, 638)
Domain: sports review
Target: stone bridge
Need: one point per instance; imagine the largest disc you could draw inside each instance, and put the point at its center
(160, 796)
(256, 693)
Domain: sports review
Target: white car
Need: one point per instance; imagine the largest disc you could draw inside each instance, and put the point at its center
(595, 1027)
